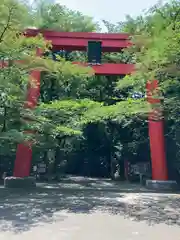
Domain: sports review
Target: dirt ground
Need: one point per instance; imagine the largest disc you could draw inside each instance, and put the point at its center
(83, 208)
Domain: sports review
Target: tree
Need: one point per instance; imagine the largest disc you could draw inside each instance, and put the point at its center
(18, 58)
(156, 52)
(60, 18)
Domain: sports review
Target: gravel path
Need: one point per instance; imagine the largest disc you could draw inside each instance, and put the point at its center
(83, 208)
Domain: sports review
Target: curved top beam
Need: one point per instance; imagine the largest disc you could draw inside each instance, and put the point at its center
(85, 35)
(111, 42)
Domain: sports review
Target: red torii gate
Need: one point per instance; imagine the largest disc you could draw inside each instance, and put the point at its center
(78, 41)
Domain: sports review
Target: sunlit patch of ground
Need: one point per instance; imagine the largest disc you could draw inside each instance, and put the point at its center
(83, 208)
(95, 226)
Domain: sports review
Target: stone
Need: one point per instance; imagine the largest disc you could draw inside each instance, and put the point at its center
(162, 185)
(17, 182)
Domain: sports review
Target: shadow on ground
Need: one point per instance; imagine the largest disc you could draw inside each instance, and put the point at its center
(20, 210)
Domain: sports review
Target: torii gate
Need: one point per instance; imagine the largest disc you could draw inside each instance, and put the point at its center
(105, 42)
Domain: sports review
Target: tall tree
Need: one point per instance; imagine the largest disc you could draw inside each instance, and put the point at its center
(18, 58)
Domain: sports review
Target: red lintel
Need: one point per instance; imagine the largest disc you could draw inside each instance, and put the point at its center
(111, 68)
(81, 44)
(104, 69)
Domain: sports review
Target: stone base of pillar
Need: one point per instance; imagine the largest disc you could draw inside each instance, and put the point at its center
(162, 185)
(23, 183)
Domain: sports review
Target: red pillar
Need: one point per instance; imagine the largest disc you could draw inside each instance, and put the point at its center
(23, 159)
(156, 136)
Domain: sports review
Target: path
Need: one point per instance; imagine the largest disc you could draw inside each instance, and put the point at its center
(87, 209)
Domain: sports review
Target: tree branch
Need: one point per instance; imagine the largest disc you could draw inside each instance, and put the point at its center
(8, 23)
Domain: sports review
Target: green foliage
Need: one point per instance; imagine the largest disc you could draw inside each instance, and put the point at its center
(156, 52)
(15, 75)
(117, 112)
(60, 18)
(82, 117)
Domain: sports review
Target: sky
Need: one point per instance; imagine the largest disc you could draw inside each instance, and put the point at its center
(111, 10)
